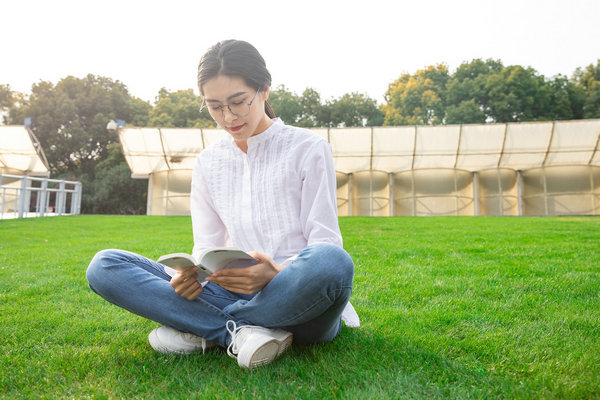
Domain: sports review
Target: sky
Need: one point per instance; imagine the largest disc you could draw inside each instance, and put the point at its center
(335, 47)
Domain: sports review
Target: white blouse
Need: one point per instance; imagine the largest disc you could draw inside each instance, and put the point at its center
(277, 198)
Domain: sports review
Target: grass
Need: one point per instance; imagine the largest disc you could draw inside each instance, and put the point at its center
(450, 307)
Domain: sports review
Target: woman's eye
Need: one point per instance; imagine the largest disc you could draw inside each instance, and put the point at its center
(215, 108)
(238, 103)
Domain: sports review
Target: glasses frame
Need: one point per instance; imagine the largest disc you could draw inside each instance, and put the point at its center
(223, 106)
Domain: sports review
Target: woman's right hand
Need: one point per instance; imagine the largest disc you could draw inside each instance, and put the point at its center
(186, 283)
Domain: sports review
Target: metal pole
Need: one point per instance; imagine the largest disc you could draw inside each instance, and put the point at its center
(149, 195)
(391, 192)
(22, 196)
(77, 198)
(43, 197)
(61, 199)
(476, 192)
(350, 194)
(520, 193)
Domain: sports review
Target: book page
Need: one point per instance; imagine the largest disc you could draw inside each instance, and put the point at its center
(226, 258)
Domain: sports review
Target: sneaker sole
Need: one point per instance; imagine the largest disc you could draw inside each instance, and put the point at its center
(262, 349)
(158, 345)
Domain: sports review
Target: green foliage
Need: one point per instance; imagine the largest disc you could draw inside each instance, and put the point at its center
(487, 91)
(451, 308)
(112, 191)
(179, 109)
(287, 105)
(6, 101)
(70, 119)
(417, 99)
(589, 80)
(352, 109)
(6, 98)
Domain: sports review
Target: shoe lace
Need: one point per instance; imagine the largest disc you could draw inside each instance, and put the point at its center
(233, 349)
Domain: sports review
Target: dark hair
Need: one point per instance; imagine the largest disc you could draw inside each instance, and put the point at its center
(236, 58)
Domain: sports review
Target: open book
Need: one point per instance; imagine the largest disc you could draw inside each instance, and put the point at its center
(209, 261)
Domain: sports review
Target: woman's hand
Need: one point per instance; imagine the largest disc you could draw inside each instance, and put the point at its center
(186, 283)
(250, 279)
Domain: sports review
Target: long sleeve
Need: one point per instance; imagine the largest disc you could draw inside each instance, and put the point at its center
(318, 210)
(209, 230)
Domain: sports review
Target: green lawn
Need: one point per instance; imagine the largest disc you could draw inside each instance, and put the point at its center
(465, 307)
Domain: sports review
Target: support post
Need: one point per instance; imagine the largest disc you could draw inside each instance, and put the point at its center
(391, 192)
(61, 199)
(43, 197)
(520, 193)
(476, 193)
(149, 196)
(350, 194)
(22, 196)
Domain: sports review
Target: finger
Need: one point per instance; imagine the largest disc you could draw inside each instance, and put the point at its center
(183, 284)
(194, 292)
(190, 291)
(182, 276)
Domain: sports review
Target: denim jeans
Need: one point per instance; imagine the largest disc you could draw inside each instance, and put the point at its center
(306, 298)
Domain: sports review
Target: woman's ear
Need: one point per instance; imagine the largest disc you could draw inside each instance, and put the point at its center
(266, 93)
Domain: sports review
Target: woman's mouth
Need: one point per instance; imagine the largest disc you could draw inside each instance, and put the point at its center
(236, 128)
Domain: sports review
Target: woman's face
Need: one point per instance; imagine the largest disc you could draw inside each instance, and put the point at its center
(233, 91)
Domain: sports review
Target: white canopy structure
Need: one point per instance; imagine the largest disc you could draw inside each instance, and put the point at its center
(22, 192)
(536, 168)
(21, 153)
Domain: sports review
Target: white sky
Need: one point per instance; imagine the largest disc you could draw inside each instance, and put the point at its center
(333, 46)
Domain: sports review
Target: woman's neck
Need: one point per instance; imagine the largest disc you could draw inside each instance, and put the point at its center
(264, 124)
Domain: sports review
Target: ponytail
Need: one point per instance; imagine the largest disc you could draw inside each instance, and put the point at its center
(269, 110)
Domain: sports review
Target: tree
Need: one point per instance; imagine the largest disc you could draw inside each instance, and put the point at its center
(69, 119)
(353, 109)
(517, 94)
(7, 100)
(567, 99)
(179, 109)
(467, 99)
(287, 105)
(313, 111)
(418, 98)
(111, 188)
(466, 112)
(589, 80)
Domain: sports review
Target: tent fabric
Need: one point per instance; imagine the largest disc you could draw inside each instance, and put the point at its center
(533, 168)
(392, 149)
(21, 153)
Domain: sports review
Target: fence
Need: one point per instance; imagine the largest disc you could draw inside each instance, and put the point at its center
(26, 196)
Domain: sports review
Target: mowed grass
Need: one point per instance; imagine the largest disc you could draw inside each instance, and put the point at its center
(450, 307)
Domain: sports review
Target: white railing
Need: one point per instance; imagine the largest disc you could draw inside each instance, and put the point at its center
(26, 196)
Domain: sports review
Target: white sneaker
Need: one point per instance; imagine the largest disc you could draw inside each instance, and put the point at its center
(255, 346)
(170, 341)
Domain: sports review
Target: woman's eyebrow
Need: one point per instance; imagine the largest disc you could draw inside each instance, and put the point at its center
(228, 98)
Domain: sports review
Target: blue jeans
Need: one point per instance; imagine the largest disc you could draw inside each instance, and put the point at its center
(306, 298)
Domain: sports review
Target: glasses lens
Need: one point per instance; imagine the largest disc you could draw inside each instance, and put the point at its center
(240, 109)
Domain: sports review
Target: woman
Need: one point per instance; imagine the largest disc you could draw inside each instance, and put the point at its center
(268, 188)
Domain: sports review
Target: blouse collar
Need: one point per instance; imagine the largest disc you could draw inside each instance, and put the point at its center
(262, 137)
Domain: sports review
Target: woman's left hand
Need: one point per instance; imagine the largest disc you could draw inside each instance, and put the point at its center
(250, 279)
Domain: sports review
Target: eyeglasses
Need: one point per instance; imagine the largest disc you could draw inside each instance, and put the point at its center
(237, 108)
